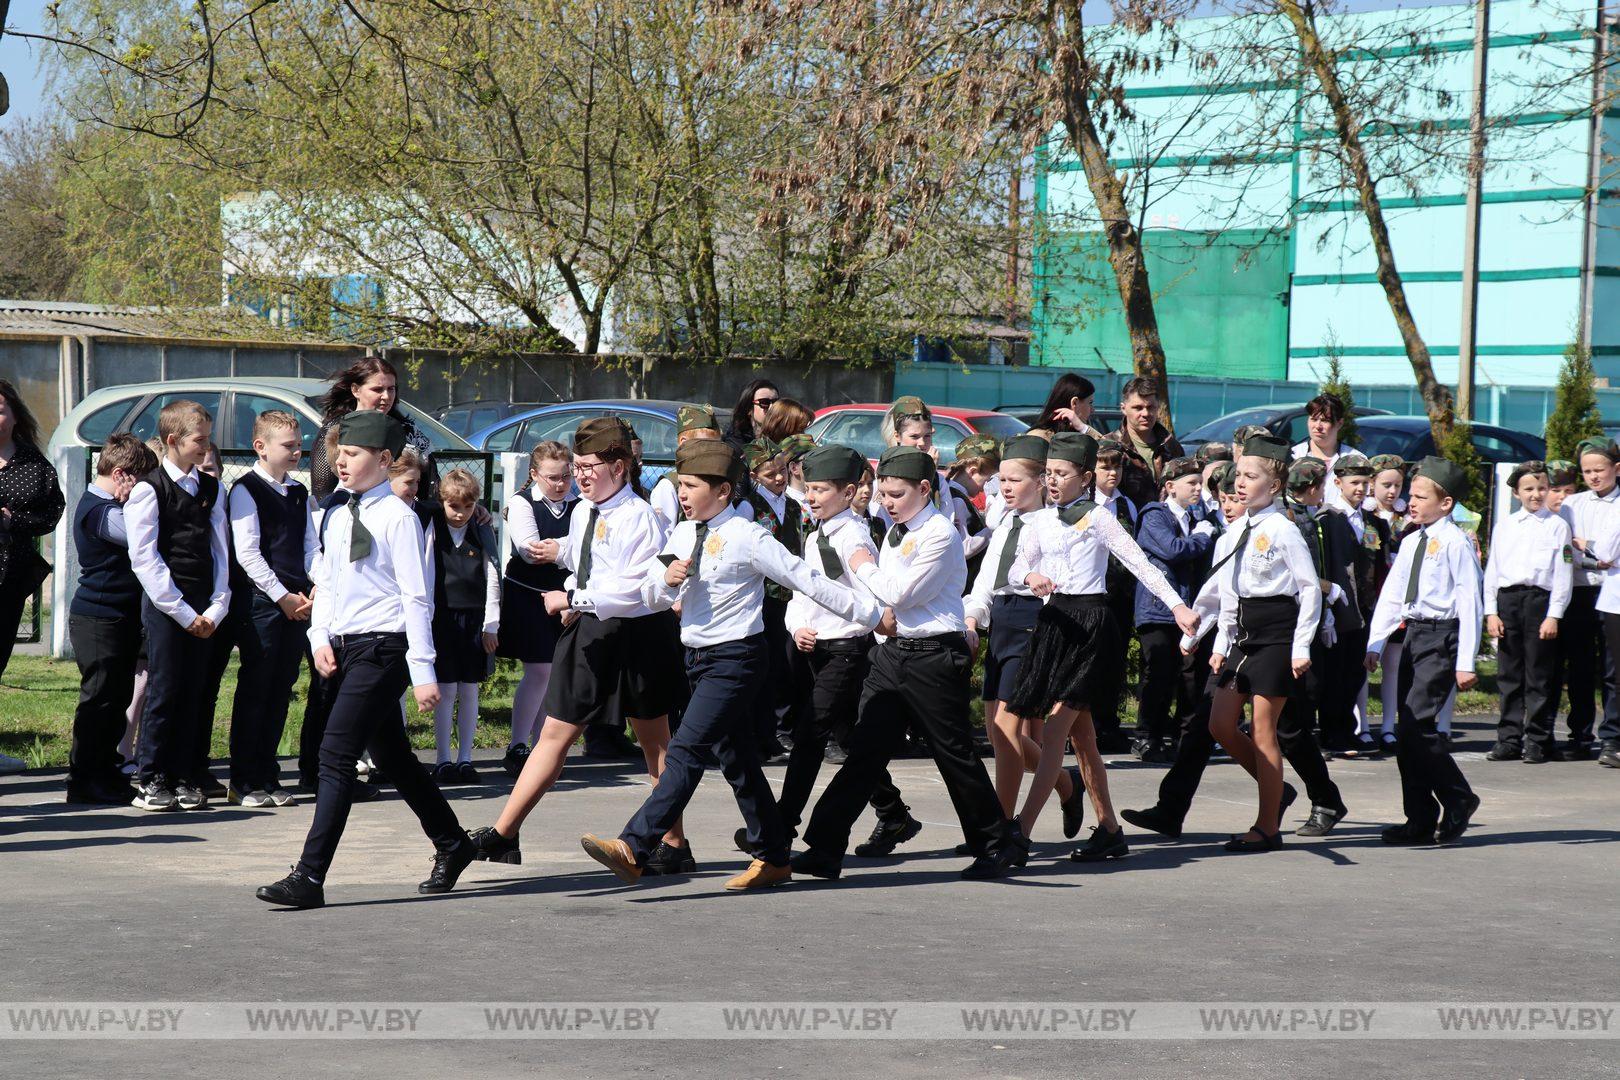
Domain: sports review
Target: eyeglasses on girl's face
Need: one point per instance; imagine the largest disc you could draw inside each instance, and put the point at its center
(585, 468)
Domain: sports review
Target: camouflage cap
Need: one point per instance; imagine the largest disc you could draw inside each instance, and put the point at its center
(1176, 468)
(1248, 431)
(1224, 478)
(1605, 447)
(759, 452)
(980, 445)
(795, 447)
(1562, 472)
(695, 418)
(1213, 451)
(1386, 462)
(1307, 472)
(1352, 464)
(910, 406)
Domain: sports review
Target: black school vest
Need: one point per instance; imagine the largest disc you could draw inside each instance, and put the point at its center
(283, 517)
(458, 569)
(185, 541)
(541, 577)
(108, 588)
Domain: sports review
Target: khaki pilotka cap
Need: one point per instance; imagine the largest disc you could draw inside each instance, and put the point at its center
(602, 434)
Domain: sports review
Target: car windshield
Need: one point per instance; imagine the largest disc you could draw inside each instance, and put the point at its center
(1001, 425)
(1222, 428)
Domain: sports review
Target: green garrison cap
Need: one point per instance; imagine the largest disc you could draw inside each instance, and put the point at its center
(373, 430)
(695, 418)
(1265, 446)
(1448, 477)
(1075, 447)
(834, 464)
(713, 459)
(1025, 448)
(906, 463)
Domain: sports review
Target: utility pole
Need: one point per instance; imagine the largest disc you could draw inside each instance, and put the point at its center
(1476, 178)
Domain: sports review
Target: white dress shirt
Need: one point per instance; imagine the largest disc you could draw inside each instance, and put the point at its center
(1601, 519)
(972, 542)
(943, 504)
(245, 534)
(521, 529)
(846, 533)
(921, 575)
(141, 523)
(976, 605)
(1448, 588)
(1275, 561)
(492, 580)
(995, 507)
(628, 537)
(388, 592)
(112, 527)
(1531, 549)
(1075, 557)
(726, 601)
(664, 502)
(1582, 511)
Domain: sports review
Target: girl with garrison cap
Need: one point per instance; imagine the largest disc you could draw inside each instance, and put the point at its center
(1063, 556)
(616, 656)
(1007, 606)
(1266, 600)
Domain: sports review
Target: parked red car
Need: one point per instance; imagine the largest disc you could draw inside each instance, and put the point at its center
(860, 427)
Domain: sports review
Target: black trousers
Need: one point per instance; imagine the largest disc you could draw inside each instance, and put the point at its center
(107, 651)
(370, 678)
(224, 639)
(177, 707)
(1105, 713)
(1169, 690)
(1340, 673)
(727, 679)
(1294, 736)
(1582, 655)
(838, 671)
(921, 685)
(1431, 782)
(317, 707)
(271, 647)
(1609, 730)
(1526, 669)
(12, 602)
(775, 707)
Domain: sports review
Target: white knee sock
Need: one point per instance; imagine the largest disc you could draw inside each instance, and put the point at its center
(443, 715)
(527, 703)
(466, 717)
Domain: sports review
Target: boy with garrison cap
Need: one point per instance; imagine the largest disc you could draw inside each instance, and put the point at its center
(919, 679)
(1434, 588)
(714, 566)
(691, 422)
(371, 630)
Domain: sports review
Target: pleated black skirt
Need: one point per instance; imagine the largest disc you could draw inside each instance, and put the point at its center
(1071, 658)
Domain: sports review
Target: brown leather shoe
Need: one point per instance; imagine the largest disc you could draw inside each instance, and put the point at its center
(613, 854)
(759, 875)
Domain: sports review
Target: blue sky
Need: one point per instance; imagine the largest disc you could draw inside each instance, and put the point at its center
(19, 59)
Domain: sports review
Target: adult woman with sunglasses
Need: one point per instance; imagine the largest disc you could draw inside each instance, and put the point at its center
(749, 415)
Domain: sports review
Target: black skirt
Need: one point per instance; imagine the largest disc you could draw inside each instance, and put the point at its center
(1261, 661)
(528, 634)
(1071, 658)
(458, 646)
(608, 670)
(1012, 623)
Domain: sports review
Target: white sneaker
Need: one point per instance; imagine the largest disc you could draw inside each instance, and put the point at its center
(257, 800)
(281, 797)
(9, 764)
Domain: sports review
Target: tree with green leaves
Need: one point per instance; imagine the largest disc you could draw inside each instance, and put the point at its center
(1337, 384)
(1575, 413)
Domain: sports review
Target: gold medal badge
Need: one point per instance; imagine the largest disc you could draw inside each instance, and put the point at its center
(908, 547)
(1434, 547)
(1262, 543)
(601, 530)
(713, 546)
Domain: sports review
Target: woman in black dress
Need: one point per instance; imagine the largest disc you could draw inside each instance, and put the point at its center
(368, 383)
(30, 506)
(748, 417)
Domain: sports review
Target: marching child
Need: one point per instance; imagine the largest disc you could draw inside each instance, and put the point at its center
(977, 459)
(104, 624)
(274, 543)
(466, 619)
(717, 565)
(1373, 547)
(1434, 589)
(371, 629)
(1528, 581)
(528, 634)
(1010, 610)
(691, 422)
(1329, 688)
(179, 550)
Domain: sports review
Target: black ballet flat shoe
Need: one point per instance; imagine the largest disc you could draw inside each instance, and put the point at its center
(1407, 834)
(293, 891)
(1154, 819)
(815, 864)
(1453, 823)
(1074, 811)
(887, 836)
(1321, 821)
(514, 760)
(666, 860)
(447, 867)
(1017, 845)
(493, 847)
(1244, 845)
(1102, 845)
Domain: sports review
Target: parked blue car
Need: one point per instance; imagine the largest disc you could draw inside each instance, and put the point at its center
(653, 420)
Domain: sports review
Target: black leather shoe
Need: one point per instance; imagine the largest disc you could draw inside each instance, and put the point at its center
(1453, 823)
(667, 860)
(1610, 758)
(815, 864)
(1408, 834)
(493, 847)
(1288, 796)
(963, 848)
(447, 867)
(887, 836)
(1102, 845)
(100, 792)
(364, 791)
(1140, 746)
(1016, 845)
(293, 891)
(514, 760)
(996, 865)
(834, 754)
(1321, 821)
(210, 786)
(1504, 752)
(772, 750)
(1074, 811)
(1579, 751)
(1245, 844)
(1154, 819)
(1536, 754)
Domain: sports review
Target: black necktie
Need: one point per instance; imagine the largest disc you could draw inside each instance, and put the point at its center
(697, 549)
(359, 535)
(1417, 565)
(582, 576)
(1076, 511)
(897, 533)
(1009, 551)
(1237, 549)
(829, 557)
